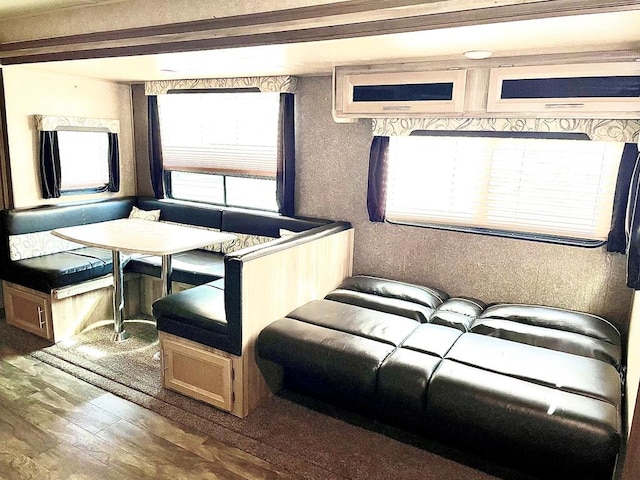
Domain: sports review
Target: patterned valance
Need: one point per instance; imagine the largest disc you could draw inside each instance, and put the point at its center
(597, 129)
(56, 122)
(281, 84)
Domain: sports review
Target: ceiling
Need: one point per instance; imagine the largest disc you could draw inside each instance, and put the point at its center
(22, 8)
(576, 34)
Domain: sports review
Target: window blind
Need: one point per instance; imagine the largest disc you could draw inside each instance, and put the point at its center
(538, 186)
(84, 159)
(222, 133)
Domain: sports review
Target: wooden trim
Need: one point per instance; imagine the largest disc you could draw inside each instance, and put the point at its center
(6, 188)
(273, 285)
(288, 26)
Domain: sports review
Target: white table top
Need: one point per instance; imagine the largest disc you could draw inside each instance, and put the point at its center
(132, 235)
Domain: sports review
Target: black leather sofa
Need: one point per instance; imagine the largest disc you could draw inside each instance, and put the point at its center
(536, 388)
(60, 269)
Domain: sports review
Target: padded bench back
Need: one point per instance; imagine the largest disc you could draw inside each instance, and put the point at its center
(21, 224)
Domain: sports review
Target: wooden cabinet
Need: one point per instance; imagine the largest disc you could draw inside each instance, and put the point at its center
(198, 371)
(28, 309)
(61, 313)
(360, 94)
(610, 90)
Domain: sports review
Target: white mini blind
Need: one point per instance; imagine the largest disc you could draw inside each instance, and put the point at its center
(223, 133)
(84, 159)
(537, 186)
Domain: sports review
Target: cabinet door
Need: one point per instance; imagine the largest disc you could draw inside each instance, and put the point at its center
(394, 94)
(567, 90)
(28, 310)
(198, 373)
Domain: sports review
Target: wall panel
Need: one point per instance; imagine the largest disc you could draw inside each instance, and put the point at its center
(332, 182)
(29, 91)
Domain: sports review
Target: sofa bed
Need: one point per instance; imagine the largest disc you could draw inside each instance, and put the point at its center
(533, 387)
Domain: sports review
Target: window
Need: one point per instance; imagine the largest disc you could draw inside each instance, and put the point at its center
(84, 161)
(537, 187)
(221, 148)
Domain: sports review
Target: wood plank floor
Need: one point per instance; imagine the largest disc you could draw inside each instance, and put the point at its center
(54, 426)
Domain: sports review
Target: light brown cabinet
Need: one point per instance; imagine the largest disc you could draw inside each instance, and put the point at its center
(61, 313)
(199, 371)
(29, 310)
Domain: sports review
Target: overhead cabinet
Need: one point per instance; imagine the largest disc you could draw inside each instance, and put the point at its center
(587, 90)
(399, 93)
(566, 90)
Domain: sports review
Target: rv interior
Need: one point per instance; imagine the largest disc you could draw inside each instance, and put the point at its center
(88, 63)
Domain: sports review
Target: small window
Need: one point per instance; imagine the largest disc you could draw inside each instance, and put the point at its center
(221, 148)
(536, 187)
(84, 161)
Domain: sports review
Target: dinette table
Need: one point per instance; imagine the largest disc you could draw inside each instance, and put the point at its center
(132, 235)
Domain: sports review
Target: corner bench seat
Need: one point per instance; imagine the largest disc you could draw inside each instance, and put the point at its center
(534, 387)
(35, 265)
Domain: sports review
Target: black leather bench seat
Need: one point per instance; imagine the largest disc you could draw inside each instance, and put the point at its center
(537, 388)
(56, 270)
(195, 267)
(198, 314)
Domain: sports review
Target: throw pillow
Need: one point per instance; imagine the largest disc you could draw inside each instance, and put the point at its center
(153, 215)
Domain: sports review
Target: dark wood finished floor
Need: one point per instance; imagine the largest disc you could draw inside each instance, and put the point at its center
(54, 426)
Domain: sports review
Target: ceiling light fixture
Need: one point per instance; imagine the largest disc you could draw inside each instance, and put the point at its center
(478, 54)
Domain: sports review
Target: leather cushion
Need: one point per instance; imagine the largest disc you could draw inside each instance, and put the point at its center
(517, 420)
(61, 269)
(429, 297)
(333, 360)
(563, 371)
(432, 339)
(556, 318)
(550, 338)
(195, 267)
(395, 306)
(356, 321)
(457, 313)
(201, 306)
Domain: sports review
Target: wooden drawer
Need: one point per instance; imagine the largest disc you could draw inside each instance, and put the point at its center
(198, 371)
(28, 310)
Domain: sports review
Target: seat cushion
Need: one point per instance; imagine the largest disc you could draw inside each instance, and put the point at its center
(522, 423)
(198, 314)
(56, 270)
(559, 370)
(324, 361)
(195, 267)
(357, 321)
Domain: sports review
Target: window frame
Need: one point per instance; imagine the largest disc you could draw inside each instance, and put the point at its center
(513, 234)
(166, 173)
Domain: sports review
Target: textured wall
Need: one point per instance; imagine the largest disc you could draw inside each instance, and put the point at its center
(30, 91)
(332, 182)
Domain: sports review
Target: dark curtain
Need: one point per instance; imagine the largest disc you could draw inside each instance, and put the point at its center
(114, 163)
(633, 229)
(377, 189)
(49, 164)
(286, 171)
(155, 148)
(617, 239)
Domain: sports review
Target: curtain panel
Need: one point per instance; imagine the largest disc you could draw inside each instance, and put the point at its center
(618, 235)
(49, 164)
(377, 184)
(286, 168)
(114, 163)
(633, 228)
(155, 148)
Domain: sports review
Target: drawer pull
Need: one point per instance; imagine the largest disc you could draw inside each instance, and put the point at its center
(41, 320)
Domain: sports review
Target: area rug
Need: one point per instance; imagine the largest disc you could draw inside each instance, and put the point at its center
(299, 435)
